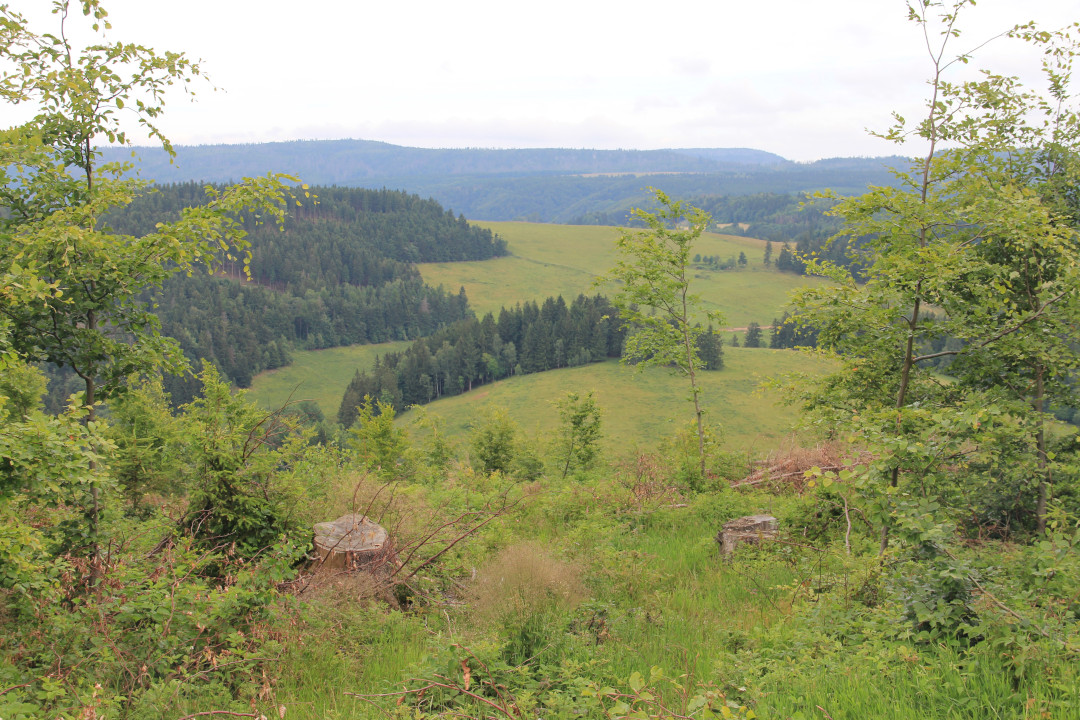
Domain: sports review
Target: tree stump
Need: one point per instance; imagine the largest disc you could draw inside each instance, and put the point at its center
(749, 529)
(354, 543)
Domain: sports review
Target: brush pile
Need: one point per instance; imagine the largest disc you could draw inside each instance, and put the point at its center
(786, 469)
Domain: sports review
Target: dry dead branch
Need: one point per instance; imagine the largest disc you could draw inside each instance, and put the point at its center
(786, 469)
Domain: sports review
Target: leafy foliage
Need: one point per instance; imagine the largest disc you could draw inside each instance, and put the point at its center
(494, 442)
(71, 290)
(654, 301)
(978, 233)
(380, 445)
(236, 456)
(577, 588)
(144, 433)
(579, 431)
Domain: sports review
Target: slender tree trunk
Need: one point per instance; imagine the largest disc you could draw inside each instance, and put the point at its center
(1045, 474)
(94, 516)
(569, 455)
(700, 421)
(913, 323)
(901, 396)
(89, 400)
(693, 381)
(905, 380)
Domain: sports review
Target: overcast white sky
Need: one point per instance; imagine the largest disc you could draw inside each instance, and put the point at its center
(801, 79)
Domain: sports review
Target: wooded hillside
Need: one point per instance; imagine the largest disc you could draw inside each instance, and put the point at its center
(339, 272)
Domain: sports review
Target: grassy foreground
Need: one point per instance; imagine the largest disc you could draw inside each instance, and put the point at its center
(548, 260)
(598, 581)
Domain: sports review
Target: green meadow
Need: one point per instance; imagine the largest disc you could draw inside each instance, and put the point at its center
(912, 554)
(565, 260)
(613, 575)
(317, 375)
(645, 407)
(641, 407)
(547, 260)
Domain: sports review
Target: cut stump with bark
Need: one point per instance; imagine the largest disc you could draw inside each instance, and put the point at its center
(749, 529)
(354, 543)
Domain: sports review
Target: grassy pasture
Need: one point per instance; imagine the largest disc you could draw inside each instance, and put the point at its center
(646, 407)
(565, 260)
(557, 259)
(318, 375)
(640, 407)
(785, 628)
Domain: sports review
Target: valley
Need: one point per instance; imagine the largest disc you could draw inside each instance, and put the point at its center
(315, 446)
(642, 408)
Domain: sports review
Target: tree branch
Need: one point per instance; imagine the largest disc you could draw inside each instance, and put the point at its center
(1007, 331)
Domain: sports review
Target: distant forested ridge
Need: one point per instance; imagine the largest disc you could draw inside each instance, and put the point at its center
(350, 162)
(540, 185)
(340, 273)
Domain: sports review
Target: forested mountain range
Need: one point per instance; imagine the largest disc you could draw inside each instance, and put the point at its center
(348, 162)
(340, 272)
(542, 185)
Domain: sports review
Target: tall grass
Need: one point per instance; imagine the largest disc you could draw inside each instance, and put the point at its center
(898, 684)
(654, 591)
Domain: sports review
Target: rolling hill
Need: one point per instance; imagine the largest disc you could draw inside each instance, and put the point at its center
(645, 408)
(547, 260)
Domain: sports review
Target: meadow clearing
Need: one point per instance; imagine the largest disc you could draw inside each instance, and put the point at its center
(547, 260)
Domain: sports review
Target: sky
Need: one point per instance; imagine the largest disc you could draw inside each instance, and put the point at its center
(800, 79)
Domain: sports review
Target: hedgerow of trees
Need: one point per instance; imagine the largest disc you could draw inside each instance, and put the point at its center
(525, 339)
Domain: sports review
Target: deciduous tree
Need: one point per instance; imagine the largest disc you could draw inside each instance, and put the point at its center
(654, 298)
(579, 430)
(71, 287)
(380, 445)
(974, 229)
(494, 441)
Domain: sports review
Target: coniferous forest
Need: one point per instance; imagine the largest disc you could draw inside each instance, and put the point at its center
(338, 272)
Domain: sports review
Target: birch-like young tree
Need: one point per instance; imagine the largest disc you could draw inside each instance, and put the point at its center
(973, 230)
(69, 287)
(662, 317)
